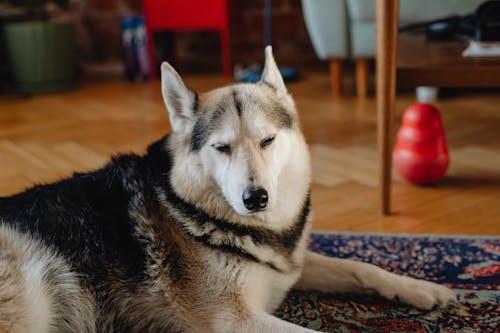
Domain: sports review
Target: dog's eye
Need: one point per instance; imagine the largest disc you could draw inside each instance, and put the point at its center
(267, 141)
(222, 148)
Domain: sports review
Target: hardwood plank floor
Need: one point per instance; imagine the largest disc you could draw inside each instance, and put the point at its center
(48, 137)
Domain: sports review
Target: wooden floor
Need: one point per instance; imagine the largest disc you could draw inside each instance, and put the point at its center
(48, 137)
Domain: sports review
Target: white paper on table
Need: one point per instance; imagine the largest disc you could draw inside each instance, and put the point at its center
(482, 49)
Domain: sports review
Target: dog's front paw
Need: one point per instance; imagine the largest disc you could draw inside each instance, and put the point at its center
(423, 294)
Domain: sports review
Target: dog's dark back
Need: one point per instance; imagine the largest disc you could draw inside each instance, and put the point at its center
(86, 217)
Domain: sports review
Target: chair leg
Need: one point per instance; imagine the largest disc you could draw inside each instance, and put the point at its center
(336, 77)
(226, 52)
(362, 77)
(152, 58)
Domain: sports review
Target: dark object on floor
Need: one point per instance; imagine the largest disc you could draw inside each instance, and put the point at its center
(253, 74)
(469, 265)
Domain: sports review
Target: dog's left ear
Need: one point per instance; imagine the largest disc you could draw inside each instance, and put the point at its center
(180, 101)
(271, 75)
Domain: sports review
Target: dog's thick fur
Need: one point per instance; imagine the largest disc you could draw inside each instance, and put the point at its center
(165, 243)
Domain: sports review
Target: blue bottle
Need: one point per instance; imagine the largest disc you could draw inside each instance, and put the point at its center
(128, 43)
(141, 48)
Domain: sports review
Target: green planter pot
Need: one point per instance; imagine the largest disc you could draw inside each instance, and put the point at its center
(42, 55)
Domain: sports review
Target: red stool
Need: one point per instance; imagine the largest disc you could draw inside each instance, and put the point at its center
(188, 15)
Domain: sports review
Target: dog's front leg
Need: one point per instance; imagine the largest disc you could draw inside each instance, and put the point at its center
(341, 275)
(257, 323)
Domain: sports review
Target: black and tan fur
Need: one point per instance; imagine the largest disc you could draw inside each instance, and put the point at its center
(162, 243)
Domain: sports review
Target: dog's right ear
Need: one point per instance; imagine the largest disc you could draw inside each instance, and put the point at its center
(180, 101)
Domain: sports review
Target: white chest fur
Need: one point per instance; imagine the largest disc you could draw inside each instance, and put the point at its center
(265, 289)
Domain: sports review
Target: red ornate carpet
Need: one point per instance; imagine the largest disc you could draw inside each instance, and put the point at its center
(469, 265)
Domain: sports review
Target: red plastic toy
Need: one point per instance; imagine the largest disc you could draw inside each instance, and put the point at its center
(421, 153)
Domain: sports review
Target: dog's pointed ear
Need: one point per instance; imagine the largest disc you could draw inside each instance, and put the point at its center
(181, 102)
(271, 75)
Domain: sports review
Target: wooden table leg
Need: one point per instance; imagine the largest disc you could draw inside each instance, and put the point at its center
(336, 77)
(362, 77)
(387, 25)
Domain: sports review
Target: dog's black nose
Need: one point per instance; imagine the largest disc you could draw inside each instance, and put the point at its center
(255, 198)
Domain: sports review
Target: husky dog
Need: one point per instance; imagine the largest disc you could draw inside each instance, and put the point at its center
(206, 232)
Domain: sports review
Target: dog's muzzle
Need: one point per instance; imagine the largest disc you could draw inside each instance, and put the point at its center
(255, 198)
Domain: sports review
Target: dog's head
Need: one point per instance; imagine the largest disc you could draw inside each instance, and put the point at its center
(240, 137)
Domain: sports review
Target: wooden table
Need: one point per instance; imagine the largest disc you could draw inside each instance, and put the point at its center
(423, 62)
(450, 70)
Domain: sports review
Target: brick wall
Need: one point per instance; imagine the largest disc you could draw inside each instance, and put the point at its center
(198, 50)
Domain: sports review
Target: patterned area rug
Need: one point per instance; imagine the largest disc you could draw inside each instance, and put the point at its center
(469, 265)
